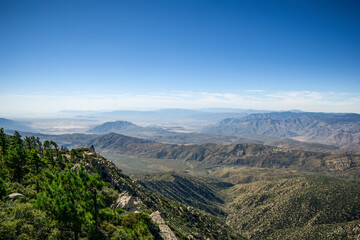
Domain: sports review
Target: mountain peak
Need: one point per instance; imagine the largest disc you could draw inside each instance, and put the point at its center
(112, 127)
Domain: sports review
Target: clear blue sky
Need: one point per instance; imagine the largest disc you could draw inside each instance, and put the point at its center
(57, 47)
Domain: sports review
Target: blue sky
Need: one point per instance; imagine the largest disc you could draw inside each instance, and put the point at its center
(125, 54)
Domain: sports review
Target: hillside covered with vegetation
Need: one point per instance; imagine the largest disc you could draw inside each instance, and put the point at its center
(49, 192)
(268, 203)
(342, 165)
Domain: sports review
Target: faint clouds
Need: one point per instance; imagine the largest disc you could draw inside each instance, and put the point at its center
(248, 99)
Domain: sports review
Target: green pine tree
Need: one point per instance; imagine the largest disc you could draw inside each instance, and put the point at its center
(16, 160)
(73, 199)
(3, 191)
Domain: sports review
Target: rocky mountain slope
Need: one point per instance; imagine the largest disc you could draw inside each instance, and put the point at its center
(184, 221)
(341, 130)
(256, 191)
(126, 208)
(275, 204)
(341, 165)
(269, 203)
(185, 189)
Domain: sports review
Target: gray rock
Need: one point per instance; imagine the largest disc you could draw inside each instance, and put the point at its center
(14, 196)
(76, 167)
(128, 202)
(165, 232)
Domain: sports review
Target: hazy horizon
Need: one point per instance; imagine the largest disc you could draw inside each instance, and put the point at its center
(42, 105)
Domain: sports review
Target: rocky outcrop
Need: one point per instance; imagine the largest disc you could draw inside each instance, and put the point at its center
(165, 232)
(95, 163)
(128, 202)
(14, 196)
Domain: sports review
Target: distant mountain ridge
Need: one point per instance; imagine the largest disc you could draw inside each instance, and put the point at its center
(341, 130)
(114, 127)
(159, 134)
(173, 114)
(253, 155)
(13, 125)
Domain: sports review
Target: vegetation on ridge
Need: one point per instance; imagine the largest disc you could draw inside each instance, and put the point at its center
(49, 192)
(56, 200)
(269, 203)
(344, 165)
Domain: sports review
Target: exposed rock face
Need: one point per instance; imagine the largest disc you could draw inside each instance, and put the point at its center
(108, 172)
(76, 167)
(134, 198)
(128, 202)
(14, 196)
(165, 231)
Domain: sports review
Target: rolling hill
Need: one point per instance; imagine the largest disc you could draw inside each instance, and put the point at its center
(344, 165)
(125, 203)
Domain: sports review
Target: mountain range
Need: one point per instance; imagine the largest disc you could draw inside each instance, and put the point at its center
(342, 130)
(124, 209)
(158, 134)
(173, 115)
(227, 191)
(345, 165)
(293, 130)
